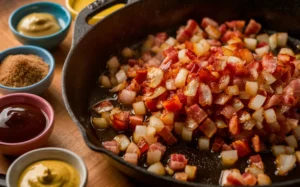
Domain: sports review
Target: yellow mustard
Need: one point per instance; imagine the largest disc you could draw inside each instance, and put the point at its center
(78, 5)
(38, 24)
(49, 173)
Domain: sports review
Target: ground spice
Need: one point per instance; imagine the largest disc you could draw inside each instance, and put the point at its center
(22, 70)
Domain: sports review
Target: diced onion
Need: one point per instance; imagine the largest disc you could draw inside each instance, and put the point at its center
(113, 80)
(256, 102)
(181, 78)
(254, 170)
(153, 156)
(168, 118)
(220, 124)
(150, 139)
(286, 51)
(204, 143)
(296, 132)
(190, 171)
(171, 41)
(157, 168)
(285, 163)
(157, 92)
(269, 78)
(139, 108)
(139, 133)
(155, 76)
(297, 154)
(263, 180)
(270, 115)
(250, 43)
(229, 157)
(119, 87)
(273, 41)
(263, 37)
(183, 58)
(251, 88)
(191, 124)
(262, 51)
(291, 141)
(201, 47)
(191, 88)
(170, 84)
(123, 141)
(121, 76)
(213, 32)
(113, 65)
(151, 131)
(127, 52)
(100, 123)
(186, 134)
(178, 127)
(234, 60)
(156, 123)
(258, 115)
(104, 81)
(169, 170)
(282, 38)
(244, 95)
(232, 90)
(278, 150)
(133, 148)
(127, 97)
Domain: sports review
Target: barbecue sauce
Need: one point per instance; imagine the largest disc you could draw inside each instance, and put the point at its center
(21, 122)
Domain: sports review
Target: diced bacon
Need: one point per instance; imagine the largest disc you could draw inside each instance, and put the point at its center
(146, 56)
(134, 86)
(217, 145)
(256, 160)
(172, 57)
(221, 99)
(227, 111)
(196, 113)
(103, 106)
(231, 34)
(131, 158)
(181, 96)
(242, 148)
(160, 38)
(151, 105)
(187, 32)
(234, 127)
(269, 63)
(208, 21)
(213, 42)
(120, 120)
(236, 24)
(177, 162)
(253, 27)
(134, 121)
(191, 54)
(226, 147)
(158, 146)
(141, 76)
(143, 145)
(295, 86)
(113, 146)
(222, 28)
(273, 101)
(153, 62)
(261, 44)
(167, 136)
(173, 104)
(249, 179)
(205, 76)
(236, 179)
(256, 143)
(208, 127)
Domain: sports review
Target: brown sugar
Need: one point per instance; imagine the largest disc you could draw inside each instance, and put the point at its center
(22, 70)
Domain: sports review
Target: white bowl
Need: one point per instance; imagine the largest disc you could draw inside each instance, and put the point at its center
(20, 164)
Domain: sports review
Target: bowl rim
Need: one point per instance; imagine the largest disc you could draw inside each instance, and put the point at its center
(50, 117)
(35, 48)
(78, 159)
(56, 5)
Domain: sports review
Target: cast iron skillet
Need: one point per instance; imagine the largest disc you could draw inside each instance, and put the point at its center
(93, 45)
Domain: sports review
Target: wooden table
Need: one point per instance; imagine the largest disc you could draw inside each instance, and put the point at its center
(66, 133)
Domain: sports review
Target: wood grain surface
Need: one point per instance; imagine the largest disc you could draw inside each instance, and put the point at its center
(66, 133)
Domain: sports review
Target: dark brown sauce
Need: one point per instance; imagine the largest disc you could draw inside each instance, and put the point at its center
(21, 122)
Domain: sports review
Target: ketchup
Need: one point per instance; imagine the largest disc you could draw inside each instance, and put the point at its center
(21, 122)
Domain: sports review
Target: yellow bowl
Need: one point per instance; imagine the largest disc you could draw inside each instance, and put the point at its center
(75, 6)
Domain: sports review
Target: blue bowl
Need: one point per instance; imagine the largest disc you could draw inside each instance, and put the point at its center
(39, 87)
(62, 15)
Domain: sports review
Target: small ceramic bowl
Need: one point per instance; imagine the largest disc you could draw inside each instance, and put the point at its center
(70, 4)
(50, 153)
(39, 87)
(61, 14)
(38, 141)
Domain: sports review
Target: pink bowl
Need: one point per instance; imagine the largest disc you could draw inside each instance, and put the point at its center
(40, 140)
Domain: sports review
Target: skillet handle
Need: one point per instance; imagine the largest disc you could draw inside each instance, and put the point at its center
(81, 25)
